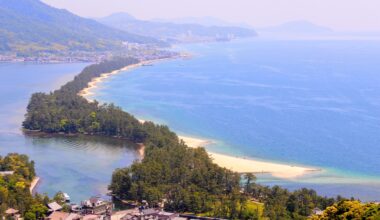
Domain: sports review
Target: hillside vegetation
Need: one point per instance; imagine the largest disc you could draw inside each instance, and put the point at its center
(28, 26)
(350, 210)
(14, 188)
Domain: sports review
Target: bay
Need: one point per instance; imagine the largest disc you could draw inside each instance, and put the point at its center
(314, 103)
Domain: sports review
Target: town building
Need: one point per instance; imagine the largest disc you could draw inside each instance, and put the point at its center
(6, 173)
(13, 214)
(54, 206)
(145, 214)
(97, 206)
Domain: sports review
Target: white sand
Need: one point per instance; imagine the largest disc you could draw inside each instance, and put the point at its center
(237, 164)
(243, 165)
(93, 84)
(195, 142)
(34, 184)
(87, 92)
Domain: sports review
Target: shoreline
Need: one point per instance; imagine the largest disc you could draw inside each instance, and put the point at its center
(34, 184)
(236, 164)
(248, 165)
(245, 165)
(93, 84)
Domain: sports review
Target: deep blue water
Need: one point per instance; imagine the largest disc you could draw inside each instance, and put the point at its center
(80, 166)
(314, 103)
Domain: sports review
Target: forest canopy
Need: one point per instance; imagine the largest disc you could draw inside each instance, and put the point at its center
(14, 186)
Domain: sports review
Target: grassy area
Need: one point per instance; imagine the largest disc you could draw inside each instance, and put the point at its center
(249, 208)
(256, 206)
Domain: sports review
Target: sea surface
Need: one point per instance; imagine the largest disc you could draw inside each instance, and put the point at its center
(79, 166)
(311, 103)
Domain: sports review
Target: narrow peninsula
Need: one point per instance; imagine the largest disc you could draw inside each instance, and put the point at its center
(172, 173)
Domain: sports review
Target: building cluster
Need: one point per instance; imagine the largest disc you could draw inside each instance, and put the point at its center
(146, 214)
(97, 208)
(94, 208)
(88, 57)
(139, 51)
(70, 57)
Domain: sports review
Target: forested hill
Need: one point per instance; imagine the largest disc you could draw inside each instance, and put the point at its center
(64, 111)
(14, 187)
(31, 25)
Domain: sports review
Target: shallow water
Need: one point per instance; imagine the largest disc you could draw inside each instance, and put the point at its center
(80, 166)
(314, 103)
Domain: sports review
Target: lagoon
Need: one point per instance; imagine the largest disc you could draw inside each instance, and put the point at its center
(79, 166)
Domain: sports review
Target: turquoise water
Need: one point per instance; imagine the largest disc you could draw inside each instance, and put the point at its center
(314, 103)
(80, 166)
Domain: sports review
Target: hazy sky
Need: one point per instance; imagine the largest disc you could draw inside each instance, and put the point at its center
(341, 15)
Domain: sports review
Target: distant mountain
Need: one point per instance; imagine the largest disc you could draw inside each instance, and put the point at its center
(304, 30)
(117, 17)
(173, 32)
(205, 21)
(30, 25)
(297, 27)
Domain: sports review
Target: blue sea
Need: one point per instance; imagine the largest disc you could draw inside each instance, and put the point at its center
(311, 103)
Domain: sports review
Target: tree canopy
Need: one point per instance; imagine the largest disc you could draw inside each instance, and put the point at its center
(185, 178)
(14, 188)
(350, 210)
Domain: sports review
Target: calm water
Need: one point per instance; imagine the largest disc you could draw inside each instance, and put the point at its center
(82, 167)
(314, 103)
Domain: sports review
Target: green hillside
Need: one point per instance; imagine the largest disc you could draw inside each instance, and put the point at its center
(30, 25)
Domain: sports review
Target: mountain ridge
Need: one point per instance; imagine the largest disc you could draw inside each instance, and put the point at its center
(204, 21)
(297, 27)
(174, 32)
(31, 25)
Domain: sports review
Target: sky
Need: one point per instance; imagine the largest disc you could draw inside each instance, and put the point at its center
(340, 15)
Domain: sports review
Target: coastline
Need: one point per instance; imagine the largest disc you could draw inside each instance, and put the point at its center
(245, 165)
(236, 164)
(93, 84)
(34, 184)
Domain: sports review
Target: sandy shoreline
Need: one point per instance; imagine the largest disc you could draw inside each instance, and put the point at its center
(86, 92)
(34, 184)
(244, 165)
(237, 164)
(93, 84)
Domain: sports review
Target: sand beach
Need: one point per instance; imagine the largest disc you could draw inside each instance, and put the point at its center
(237, 164)
(88, 91)
(91, 86)
(244, 165)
